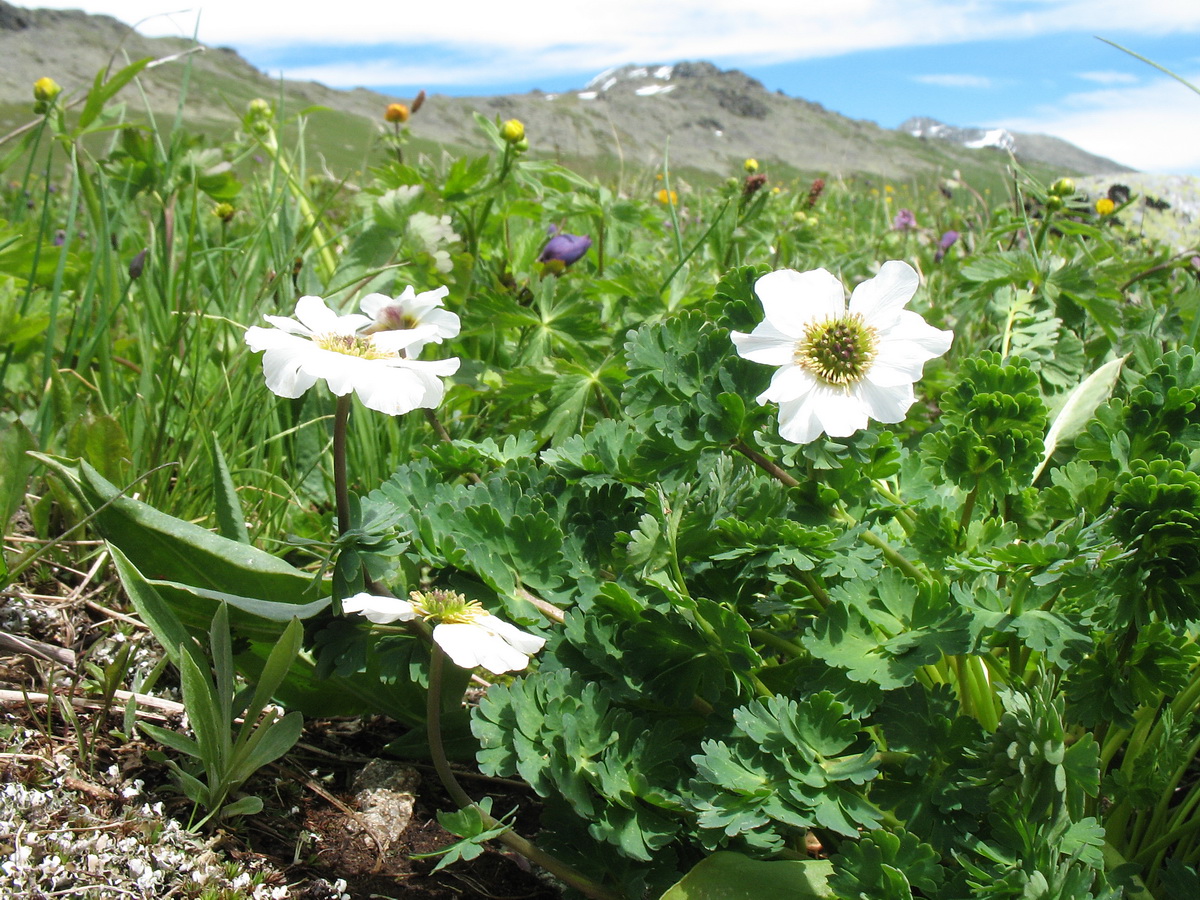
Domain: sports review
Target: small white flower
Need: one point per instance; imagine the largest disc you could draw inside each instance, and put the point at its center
(431, 231)
(840, 366)
(324, 345)
(470, 636)
(419, 316)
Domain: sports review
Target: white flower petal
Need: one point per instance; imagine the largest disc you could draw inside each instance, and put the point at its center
(284, 372)
(879, 300)
(380, 610)
(792, 300)
(522, 640)
(315, 315)
(288, 324)
(471, 646)
(886, 403)
(258, 339)
(788, 383)
(373, 303)
(766, 344)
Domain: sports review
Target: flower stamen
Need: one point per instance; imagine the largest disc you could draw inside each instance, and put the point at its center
(446, 606)
(361, 346)
(838, 352)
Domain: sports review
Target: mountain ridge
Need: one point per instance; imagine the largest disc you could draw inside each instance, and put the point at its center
(694, 114)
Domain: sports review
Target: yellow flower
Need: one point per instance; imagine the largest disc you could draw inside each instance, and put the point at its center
(665, 196)
(1104, 206)
(750, 165)
(513, 131)
(396, 112)
(46, 89)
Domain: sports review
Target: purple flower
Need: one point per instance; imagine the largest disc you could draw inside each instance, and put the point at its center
(904, 220)
(945, 243)
(565, 248)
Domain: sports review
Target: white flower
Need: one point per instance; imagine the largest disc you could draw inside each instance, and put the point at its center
(420, 316)
(839, 366)
(470, 636)
(431, 231)
(324, 345)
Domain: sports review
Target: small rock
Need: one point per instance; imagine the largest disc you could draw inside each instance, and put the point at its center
(383, 791)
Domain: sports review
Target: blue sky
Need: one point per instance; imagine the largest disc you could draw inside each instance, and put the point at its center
(1029, 65)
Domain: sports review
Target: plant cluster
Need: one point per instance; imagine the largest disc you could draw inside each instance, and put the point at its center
(913, 614)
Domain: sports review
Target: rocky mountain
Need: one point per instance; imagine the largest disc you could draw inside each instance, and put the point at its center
(695, 115)
(1032, 146)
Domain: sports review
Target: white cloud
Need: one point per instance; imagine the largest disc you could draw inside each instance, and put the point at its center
(1108, 77)
(621, 31)
(1155, 128)
(955, 81)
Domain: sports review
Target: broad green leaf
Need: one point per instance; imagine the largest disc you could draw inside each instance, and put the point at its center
(732, 876)
(166, 548)
(15, 466)
(247, 806)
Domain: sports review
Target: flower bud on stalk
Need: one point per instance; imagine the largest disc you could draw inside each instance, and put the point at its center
(46, 89)
(1064, 187)
(752, 185)
(137, 265)
(45, 92)
(396, 113)
(513, 131)
(814, 193)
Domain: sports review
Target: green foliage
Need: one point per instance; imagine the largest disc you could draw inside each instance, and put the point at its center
(229, 756)
(992, 426)
(787, 767)
(470, 826)
(885, 865)
(958, 651)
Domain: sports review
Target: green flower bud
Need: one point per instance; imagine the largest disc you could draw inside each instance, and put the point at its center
(1064, 187)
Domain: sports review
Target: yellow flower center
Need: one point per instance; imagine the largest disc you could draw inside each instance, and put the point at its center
(446, 606)
(838, 352)
(352, 345)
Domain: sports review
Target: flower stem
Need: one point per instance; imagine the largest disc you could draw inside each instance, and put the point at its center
(514, 841)
(341, 489)
(765, 464)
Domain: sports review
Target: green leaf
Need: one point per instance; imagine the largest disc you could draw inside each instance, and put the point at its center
(15, 466)
(173, 739)
(732, 876)
(882, 865)
(884, 631)
(204, 713)
(102, 91)
(246, 806)
(231, 519)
